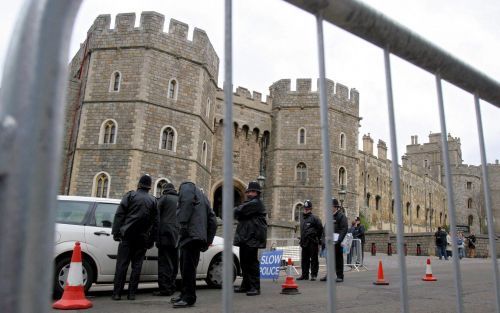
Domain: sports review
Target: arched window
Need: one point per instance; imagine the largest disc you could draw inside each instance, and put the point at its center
(160, 186)
(108, 131)
(470, 220)
(392, 206)
(301, 172)
(446, 219)
(368, 200)
(418, 211)
(441, 218)
(100, 187)
(342, 141)
(204, 149)
(168, 139)
(302, 136)
(207, 110)
(114, 84)
(408, 208)
(377, 202)
(469, 203)
(172, 89)
(342, 178)
(297, 211)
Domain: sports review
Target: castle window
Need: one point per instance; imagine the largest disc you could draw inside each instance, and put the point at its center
(172, 89)
(168, 139)
(342, 178)
(207, 113)
(408, 208)
(302, 136)
(469, 185)
(114, 84)
(426, 164)
(204, 153)
(107, 133)
(368, 200)
(392, 206)
(377, 202)
(342, 141)
(418, 211)
(469, 203)
(470, 220)
(160, 187)
(100, 188)
(301, 172)
(441, 218)
(297, 212)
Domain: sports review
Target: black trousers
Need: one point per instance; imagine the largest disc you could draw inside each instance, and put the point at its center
(309, 259)
(128, 253)
(168, 260)
(250, 267)
(190, 256)
(339, 261)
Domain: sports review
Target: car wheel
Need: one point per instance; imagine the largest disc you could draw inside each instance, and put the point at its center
(61, 274)
(215, 270)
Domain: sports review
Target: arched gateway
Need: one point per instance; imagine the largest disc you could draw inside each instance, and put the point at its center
(239, 195)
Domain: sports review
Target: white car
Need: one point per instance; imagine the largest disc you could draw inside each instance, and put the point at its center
(89, 220)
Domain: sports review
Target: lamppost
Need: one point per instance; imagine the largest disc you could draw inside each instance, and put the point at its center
(342, 194)
(261, 180)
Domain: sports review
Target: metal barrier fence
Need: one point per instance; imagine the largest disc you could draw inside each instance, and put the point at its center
(355, 257)
(41, 45)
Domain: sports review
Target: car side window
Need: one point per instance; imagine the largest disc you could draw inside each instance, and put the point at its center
(71, 212)
(104, 214)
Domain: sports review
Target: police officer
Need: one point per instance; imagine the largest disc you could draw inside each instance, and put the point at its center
(135, 226)
(340, 225)
(197, 231)
(251, 234)
(167, 241)
(311, 231)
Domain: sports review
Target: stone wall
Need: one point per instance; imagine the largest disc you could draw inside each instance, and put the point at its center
(426, 241)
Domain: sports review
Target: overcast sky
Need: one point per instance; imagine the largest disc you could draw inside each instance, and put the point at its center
(274, 40)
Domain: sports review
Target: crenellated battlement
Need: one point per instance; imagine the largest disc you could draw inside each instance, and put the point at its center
(337, 91)
(255, 97)
(175, 41)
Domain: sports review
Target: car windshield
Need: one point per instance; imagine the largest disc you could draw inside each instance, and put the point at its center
(71, 212)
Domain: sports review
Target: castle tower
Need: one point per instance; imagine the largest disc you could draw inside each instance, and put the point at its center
(295, 170)
(140, 101)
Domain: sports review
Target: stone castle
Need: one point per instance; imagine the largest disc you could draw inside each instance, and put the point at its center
(141, 100)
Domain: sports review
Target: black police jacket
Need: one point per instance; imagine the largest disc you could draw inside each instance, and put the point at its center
(136, 219)
(195, 216)
(168, 228)
(252, 225)
(341, 227)
(311, 230)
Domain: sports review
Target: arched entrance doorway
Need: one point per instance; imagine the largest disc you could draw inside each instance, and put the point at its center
(238, 194)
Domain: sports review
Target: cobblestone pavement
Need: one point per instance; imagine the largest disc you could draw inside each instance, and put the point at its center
(356, 294)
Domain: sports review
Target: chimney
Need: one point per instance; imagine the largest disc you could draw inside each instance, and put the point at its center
(382, 150)
(368, 144)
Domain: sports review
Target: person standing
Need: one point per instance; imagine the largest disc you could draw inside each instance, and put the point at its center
(135, 226)
(471, 245)
(197, 231)
(448, 245)
(340, 228)
(359, 233)
(311, 231)
(460, 244)
(168, 235)
(251, 234)
(440, 236)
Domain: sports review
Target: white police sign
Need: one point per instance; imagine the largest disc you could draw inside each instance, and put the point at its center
(270, 262)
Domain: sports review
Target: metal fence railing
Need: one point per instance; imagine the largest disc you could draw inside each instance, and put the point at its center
(31, 122)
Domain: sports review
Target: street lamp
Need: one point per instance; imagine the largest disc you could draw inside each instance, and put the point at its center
(342, 194)
(261, 180)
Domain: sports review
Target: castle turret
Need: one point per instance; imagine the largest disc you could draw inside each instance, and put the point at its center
(368, 144)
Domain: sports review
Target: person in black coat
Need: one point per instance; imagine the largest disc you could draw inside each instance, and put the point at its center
(251, 234)
(340, 228)
(311, 231)
(197, 231)
(168, 235)
(135, 226)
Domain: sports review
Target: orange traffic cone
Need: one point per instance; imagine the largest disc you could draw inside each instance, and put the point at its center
(74, 296)
(428, 272)
(290, 287)
(380, 278)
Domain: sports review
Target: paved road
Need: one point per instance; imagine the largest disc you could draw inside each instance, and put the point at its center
(356, 294)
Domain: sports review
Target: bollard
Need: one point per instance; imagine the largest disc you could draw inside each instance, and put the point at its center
(406, 250)
(389, 248)
(419, 250)
(374, 249)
